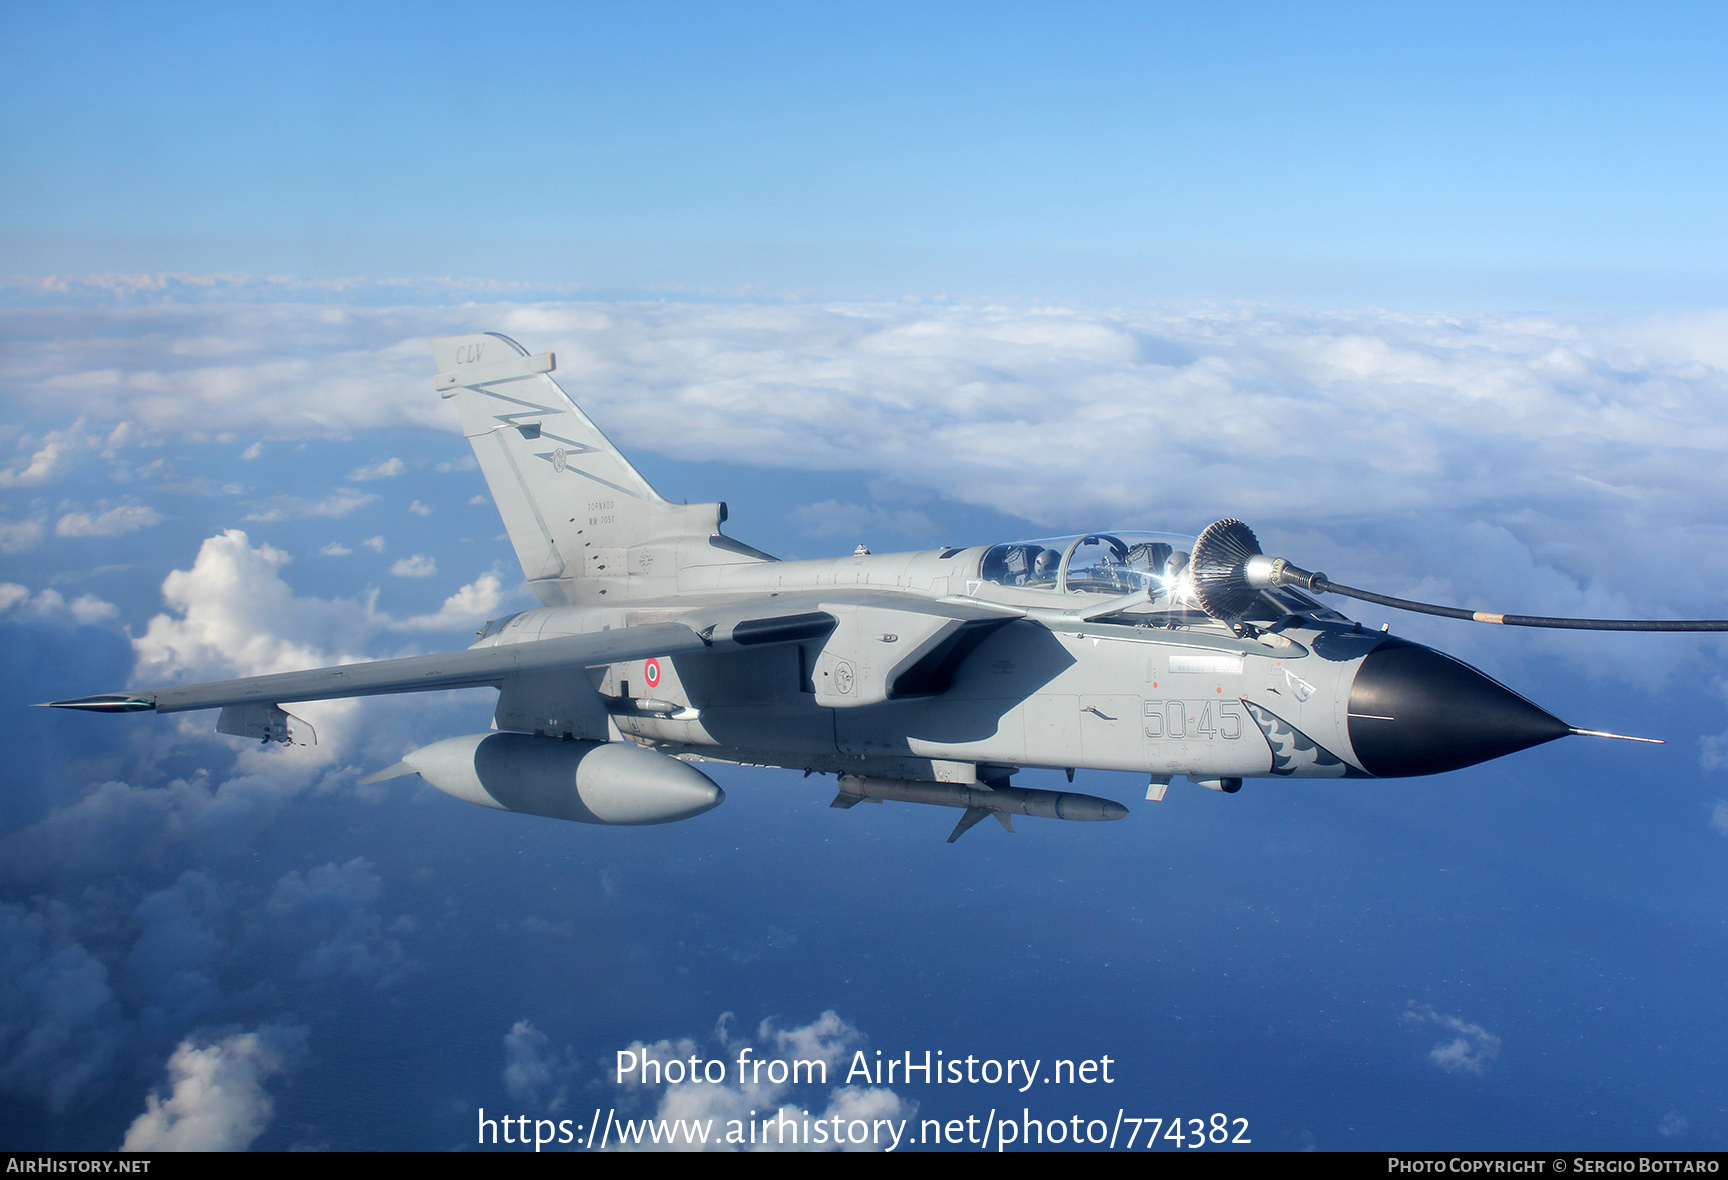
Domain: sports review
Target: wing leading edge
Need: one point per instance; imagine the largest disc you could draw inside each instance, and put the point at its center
(473, 668)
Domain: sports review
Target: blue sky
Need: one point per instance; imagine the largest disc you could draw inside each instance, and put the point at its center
(1433, 300)
(1477, 155)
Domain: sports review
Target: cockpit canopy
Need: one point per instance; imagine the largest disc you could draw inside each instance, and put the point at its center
(1116, 564)
(1097, 563)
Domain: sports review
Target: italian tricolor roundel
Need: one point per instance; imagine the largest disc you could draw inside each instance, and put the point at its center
(651, 673)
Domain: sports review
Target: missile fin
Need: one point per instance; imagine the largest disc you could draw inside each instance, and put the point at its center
(972, 816)
(1007, 820)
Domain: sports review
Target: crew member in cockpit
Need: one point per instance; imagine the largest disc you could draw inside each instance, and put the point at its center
(1045, 567)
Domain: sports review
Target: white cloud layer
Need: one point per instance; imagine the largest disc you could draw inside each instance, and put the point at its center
(1590, 446)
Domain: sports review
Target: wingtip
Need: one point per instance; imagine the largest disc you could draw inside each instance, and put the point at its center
(108, 702)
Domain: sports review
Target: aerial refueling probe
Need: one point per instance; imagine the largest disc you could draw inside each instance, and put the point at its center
(1228, 563)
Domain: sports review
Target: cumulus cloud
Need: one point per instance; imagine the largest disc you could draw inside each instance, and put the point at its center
(470, 606)
(51, 455)
(760, 1095)
(376, 544)
(231, 614)
(50, 606)
(383, 470)
(417, 566)
(41, 466)
(419, 509)
(237, 617)
(217, 1100)
(125, 518)
(335, 549)
(1469, 1048)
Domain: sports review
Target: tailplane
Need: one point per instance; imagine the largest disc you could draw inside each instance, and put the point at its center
(585, 524)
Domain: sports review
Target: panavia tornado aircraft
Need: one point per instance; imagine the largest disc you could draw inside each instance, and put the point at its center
(928, 677)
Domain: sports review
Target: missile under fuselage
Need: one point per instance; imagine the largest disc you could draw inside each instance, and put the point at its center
(1002, 800)
(589, 782)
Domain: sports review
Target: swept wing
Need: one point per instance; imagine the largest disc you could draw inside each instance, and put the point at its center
(473, 668)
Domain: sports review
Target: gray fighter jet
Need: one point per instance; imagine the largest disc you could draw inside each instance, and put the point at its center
(928, 677)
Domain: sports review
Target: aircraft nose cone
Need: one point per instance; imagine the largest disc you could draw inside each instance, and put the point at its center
(1414, 710)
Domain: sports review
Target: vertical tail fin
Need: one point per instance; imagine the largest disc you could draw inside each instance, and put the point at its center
(581, 518)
